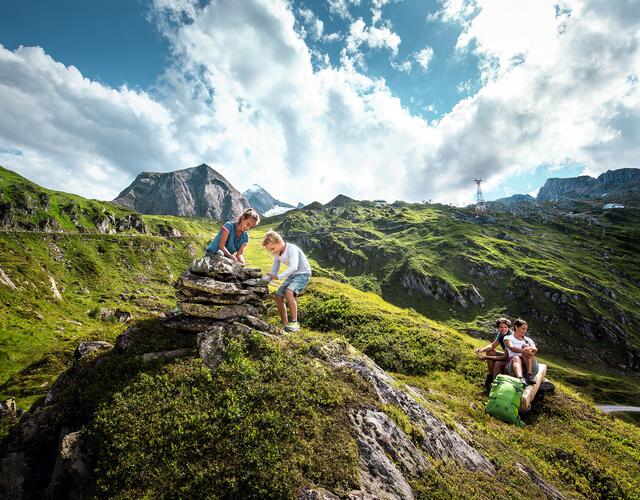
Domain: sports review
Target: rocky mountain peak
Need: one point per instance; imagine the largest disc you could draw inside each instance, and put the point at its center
(193, 192)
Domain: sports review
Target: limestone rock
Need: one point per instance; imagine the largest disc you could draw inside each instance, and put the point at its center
(6, 281)
(387, 455)
(209, 285)
(215, 266)
(221, 312)
(54, 288)
(440, 442)
(211, 343)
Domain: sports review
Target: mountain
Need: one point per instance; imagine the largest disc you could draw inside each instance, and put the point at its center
(264, 203)
(193, 192)
(612, 185)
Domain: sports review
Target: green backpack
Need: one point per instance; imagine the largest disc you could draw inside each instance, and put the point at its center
(504, 399)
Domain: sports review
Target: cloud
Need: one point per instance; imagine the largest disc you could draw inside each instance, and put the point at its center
(372, 36)
(341, 7)
(243, 95)
(423, 57)
(72, 133)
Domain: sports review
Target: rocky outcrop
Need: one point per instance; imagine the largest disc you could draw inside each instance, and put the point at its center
(613, 183)
(433, 287)
(192, 192)
(107, 223)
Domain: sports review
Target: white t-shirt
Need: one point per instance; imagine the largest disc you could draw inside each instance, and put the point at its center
(517, 343)
(294, 258)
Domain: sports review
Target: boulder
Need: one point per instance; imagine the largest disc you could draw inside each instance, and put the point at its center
(85, 348)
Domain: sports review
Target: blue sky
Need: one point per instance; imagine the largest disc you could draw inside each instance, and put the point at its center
(396, 99)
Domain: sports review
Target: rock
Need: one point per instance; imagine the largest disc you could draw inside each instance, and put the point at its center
(8, 409)
(168, 231)
(70, 469)
(387, 455)
(218, 312)
(209, 285)
(250, 273)
(6, 281)
(85, 348)
(211, 343)
(219, 299)
(472, 293)
(258, 282)
(124, 340)
(549, 491)
(211, 346)
(256, 323)
(54, 288)
(215, 266)
(440, 441)
(123, 316)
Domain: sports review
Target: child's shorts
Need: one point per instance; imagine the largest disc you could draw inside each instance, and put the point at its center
(295, 282)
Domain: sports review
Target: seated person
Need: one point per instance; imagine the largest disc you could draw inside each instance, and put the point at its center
(522, 351)
(496, 361)
(233, 237)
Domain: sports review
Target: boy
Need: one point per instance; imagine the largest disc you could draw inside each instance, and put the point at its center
(296, 277)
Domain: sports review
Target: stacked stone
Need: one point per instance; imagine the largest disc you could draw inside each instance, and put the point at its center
(221, 290)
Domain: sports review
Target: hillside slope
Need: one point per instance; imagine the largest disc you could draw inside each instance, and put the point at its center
(307, 415)
(574, 275)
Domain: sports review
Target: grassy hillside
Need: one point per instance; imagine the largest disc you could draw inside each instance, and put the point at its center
(272, 418)
(574, 276)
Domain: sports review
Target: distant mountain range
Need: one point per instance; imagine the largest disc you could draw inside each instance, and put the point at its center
(264, 203)
(192, 192)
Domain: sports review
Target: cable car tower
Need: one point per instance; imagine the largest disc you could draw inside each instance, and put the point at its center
(481, 207)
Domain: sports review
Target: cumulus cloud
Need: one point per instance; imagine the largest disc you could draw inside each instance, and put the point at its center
(423, 57)
(341, 7)
(72, 133)
(243, 95)
(559, 87)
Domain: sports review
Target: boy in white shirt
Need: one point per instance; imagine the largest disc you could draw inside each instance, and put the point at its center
(296, 277)
(522, 351)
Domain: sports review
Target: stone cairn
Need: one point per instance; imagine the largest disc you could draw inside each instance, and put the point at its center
(221, 299)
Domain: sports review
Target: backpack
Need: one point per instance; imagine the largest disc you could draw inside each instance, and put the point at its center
(504, 399)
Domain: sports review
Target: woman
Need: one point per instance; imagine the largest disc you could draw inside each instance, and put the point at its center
(496, 361)
(522, 351)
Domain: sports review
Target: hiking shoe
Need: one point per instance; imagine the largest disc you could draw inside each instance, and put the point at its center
(294, 326)
(530, 380)
(487, 383)
(524, 381)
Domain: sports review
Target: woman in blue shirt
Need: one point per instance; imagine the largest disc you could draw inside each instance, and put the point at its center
(233, 237)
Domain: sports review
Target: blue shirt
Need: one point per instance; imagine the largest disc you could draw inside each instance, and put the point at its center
(233, 243)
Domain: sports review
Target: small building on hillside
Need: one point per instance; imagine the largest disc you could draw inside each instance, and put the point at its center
(609, 206)
(380, 203)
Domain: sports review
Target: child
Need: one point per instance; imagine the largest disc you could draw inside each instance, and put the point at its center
(233, 237)
(296, 277)
(496, 360)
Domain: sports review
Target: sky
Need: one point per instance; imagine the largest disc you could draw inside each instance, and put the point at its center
(374, 99)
